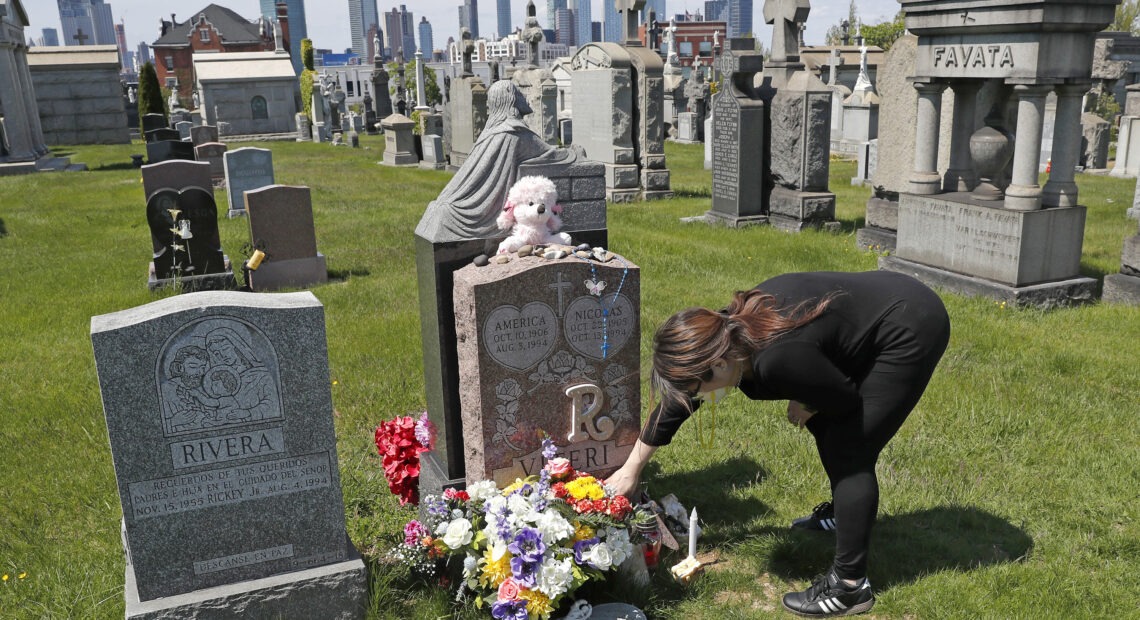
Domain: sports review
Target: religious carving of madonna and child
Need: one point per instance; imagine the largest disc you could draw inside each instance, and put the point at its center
(217, 373)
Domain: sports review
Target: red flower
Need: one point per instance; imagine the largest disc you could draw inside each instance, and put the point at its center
(400, 451)
(452, 494)
(618, 507)
(559, 489)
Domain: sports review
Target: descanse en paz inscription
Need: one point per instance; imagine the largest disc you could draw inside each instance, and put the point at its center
(220, 487)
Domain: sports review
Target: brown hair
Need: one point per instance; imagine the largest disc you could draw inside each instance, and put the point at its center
(687, 344)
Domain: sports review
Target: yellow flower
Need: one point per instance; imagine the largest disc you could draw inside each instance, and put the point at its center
(514, 486)
(494, 572)
(22, 575)
(586, 487)
(537, 603)
(582, 532)
(4, 578)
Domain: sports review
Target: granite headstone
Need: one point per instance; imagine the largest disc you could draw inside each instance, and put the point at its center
(281, 225)
(246, 169)
(183, 128)
(213, 153)
(162, 133)
(203, 134)
(738, 153)
(220, 422)
(548, 346)
(164, 150)
(433, 153)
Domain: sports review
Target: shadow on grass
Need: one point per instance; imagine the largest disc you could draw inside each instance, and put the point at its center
(905, 547)
(119, 166)
(692, 191)
(3, 229)
(848, 227)
(735, 516)
(341, 275)
(1092, 271)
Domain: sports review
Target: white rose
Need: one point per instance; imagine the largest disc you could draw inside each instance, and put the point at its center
(555, 577)
(518, 505)
(600, 556)
(553, 527)
(457, 533)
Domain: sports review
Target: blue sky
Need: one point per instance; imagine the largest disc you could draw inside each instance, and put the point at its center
(328, 19)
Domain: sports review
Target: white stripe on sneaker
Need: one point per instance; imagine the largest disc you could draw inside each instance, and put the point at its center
(837, 603)
(827, 608)
(828, 524)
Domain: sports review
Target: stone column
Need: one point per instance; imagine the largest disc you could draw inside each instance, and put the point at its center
(1023, 193)
(1060, 190)
(25, 75)
(960, 174)
(16, 124)
(925, 180)
(421, 94)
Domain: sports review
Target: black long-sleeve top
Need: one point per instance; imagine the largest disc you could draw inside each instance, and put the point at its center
(822, 363)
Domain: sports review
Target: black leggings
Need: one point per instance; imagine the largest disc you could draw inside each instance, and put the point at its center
(911, 340)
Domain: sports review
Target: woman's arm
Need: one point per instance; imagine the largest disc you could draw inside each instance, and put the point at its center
(624, 480)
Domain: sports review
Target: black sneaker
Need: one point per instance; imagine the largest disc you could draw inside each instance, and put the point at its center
(829, 596)
(822, 518)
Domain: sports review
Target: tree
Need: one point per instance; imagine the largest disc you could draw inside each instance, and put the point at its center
(430, 84)
(885, 34)
(150, 93)
(834, 34)
(1127, 17)
(308, 75)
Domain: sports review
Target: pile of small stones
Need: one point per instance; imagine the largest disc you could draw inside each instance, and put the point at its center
(549, 252)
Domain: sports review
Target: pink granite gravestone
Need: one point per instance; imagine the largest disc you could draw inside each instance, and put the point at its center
(531, 335)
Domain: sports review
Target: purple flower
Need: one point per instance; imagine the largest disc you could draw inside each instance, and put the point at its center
(583, 546)
(502, 521)
(528, 544)
(425, 431)
(509, 610)
(548, 448)
(525, 570)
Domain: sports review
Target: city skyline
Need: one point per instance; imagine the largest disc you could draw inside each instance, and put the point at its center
(328, 21)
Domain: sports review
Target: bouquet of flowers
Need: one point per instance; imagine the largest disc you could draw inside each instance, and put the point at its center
(400, 443)
(527, 547)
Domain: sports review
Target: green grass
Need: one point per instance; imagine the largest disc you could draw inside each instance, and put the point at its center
(1010, 493)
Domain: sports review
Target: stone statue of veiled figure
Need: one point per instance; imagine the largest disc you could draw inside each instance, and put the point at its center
(467, 207)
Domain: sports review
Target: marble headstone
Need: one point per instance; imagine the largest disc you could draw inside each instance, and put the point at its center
(433, 153)
(246, 169)
(539, 352)
(281, 225)
(220, 421)
(203, 133)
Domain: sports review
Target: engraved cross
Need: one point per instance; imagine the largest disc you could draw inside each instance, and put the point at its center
(560, 285)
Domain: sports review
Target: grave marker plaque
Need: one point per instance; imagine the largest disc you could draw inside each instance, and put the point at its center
(531, 335)
(219, 416)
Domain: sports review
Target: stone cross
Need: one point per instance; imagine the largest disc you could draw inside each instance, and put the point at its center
(79, 36)
(834, 61)
(532, 35)
(785, 15)
(628, 10)
(671, 41)
(651, 31)
(468, 50)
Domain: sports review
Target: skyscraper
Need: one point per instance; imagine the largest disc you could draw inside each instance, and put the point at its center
(51, 37)
(362, 17)
(427, 45)
(298, 29)
(715, 10)
(86, 22)
(552, 8)
(582, 22)
(121, 40)
(471, 7)
(739, 17)
(504, 14)
(401, 32)
(612, 21)
(654, 6)
(564, 27)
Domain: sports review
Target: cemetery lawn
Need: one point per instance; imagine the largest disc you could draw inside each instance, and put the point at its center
(1011, 492)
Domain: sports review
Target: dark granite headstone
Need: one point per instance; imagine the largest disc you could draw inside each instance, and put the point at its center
(203, 133)
(220, 421)
(281, 225)
(246, 169)
(738, 153)
(162, 133)
(153, 121)
(540, 352)
(184, 233)
(212, 153)
(175, 174)
(163, 150)
(183, 128)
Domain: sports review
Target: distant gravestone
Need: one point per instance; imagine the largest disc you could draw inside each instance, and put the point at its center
(165, 150)
(304, 128)
(203, 134)
(737, 138)
(212, 153)
(687, 128)
(220, 422)
(433, 153)
(162, 133)
(176, 174)
(1095, 132)
(281, 225)
(183, 128)
(468, 116)
(246, 169)
(153, 121)
(540, 352)
(184, 235)
(399, 145)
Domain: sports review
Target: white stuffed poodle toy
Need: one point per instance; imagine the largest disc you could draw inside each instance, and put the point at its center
(531, 213)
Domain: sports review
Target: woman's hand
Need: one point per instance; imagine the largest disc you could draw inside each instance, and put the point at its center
(798, 413)
(624, 481)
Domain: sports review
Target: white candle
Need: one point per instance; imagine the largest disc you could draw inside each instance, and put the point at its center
(693, 534)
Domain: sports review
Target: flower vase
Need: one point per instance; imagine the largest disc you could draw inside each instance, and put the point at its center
(991, 147)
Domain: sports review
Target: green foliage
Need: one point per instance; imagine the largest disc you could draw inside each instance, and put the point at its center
(1127, 18)
(433, 95)
(886, 33)
(151, 99)
(1016, 474)
(834, 35)
(307, 54)
(307, 78)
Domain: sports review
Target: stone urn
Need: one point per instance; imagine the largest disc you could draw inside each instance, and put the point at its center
(991, 147)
